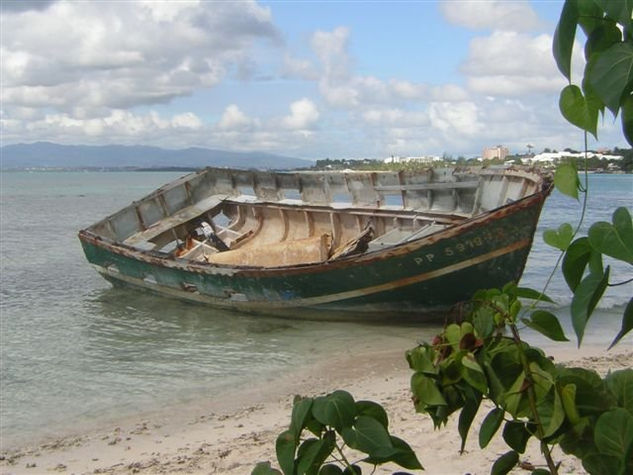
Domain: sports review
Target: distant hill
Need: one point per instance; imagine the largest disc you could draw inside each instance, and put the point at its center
(51, 155)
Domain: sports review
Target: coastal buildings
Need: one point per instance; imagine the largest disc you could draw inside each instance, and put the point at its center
(553, 157)
(421, 159)
(499, 152)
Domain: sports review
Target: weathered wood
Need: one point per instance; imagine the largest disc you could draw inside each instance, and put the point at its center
(183, 216)
(430, 186)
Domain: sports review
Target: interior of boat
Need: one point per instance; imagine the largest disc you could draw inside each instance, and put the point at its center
(268, 235)
(264, 219)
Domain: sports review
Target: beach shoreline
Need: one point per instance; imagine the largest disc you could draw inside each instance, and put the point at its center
(229, 435)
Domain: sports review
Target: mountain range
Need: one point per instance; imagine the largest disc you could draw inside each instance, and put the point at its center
(51, 155)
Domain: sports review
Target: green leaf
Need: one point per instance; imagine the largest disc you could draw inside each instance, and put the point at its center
(505, 463)
(568, 398)
(473, 373)
(543, 380)
(425, 391)
(466, 417)
(585, 299)
(596, 266)
(575, 262)
(627, 324)
(551, 413)
(528, 293)
(330, 469)
(590, 15)
(300, 415)
(614, 433)
(336, 409)
(540, 471)
(611, 74)
(602, 37)
(374, 410)
(618, 10)
(516, 435)
(547, 324)
(453, 334)
(620, 383)
(370, 435)
(512, 398)
(264, 468)
(285, 448)
(627, 118)
(592, 397)
(400, 453)
(566, 179)
(313, 452)
(600, 464)
(490, 425)
(484, 322)
(614, 240)
(405, 456)
(559, 239)
(564, 35)
(421, 359)
(577, 110)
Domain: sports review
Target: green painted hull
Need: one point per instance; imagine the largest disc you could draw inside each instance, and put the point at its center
(417, 279)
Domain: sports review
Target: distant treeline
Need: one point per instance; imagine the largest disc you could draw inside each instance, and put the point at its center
(593, 163)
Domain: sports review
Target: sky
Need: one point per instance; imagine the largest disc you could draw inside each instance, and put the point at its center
(308, 79)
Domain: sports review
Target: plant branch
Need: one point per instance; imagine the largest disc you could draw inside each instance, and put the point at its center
(344, 459)
(621, 283)
(532, 400)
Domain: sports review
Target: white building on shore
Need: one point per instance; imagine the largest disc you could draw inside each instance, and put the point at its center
(420, 159)
(553, 157)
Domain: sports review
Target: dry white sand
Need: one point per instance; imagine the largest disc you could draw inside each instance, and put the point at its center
(229, 436)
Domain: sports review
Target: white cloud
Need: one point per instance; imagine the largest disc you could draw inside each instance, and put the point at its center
(396, 117)
(515, 15)
(512, 64)
(299, 68)
(123, 54)
(234, 119)
(407, 89)
(303, 115)
(186, 120)
(331, 48)
(460, 118)
(119, 126)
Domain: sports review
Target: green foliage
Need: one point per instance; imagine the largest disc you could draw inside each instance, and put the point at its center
(561, 238)
(546, 323)
(608, 75)
(337, 421)
(505, 463)
(573, 407)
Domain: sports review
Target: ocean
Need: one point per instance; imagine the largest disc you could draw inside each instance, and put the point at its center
(77, 353)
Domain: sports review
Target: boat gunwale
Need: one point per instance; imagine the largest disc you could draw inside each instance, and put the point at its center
(544, 188)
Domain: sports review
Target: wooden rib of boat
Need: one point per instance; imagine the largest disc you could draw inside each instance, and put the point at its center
(373, 243)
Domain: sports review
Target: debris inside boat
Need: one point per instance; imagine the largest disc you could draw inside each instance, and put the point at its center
(381, 243)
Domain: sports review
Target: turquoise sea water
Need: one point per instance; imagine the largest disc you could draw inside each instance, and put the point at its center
(74, 351)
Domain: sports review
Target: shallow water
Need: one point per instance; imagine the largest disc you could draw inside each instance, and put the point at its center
(75, 351)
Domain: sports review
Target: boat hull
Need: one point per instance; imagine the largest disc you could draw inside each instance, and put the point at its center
(417, 280)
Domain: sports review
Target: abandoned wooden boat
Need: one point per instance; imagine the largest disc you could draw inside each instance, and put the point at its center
(373, 243)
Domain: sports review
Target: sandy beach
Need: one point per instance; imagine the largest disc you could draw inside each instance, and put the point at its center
(229, 435)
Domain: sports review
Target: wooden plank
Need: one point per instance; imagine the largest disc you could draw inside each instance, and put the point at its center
(181, 217)
(430, 186)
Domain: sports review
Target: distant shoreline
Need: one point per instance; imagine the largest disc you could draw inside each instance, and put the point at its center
(102, 169)
(186, 169)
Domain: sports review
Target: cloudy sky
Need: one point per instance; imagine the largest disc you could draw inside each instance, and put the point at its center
(308, 79)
